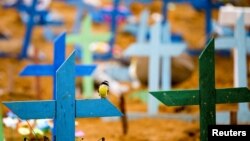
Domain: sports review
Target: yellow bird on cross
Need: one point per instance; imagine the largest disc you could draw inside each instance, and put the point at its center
(103, 89)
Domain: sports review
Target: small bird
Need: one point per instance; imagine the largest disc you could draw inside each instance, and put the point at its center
(103, 89)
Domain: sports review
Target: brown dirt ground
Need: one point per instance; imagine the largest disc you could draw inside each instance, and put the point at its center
(14, 87)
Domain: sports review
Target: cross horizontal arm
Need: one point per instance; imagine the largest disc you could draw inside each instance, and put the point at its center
(100, 37)
(232, 95)
(172, 49)
(40, 70)
(85, 70)
(225, 42)
(96, 108)
(32, 109)
(46, 109)
(144, 49)
(191, 97)
(73, 39)
(178, 98)
(48, 70)
(138, 49)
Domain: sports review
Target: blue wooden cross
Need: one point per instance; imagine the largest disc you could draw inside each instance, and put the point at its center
(33, 14)
(115, 13)
(239, 42)
(29, 28)
(64, 109)
(81, 9)
(113, 25)
(59, 57)
(155, 50)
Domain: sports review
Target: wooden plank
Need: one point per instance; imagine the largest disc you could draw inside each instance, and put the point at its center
(207, 89)
(166, 73)
(32, 109)
(154, 67)
(154, 82)
(248, 42)
(172, 49)
(88, 108)
(191, 97)
(73, 39)
(48, 70)
(232, 95)
(29, 28)
(38, 70)
(59, 50)
(177, 97)
(65, 100)
(138, 49)
(113, 25)
(143, 28)
(225, 42)
(85, 70)
(240, 60)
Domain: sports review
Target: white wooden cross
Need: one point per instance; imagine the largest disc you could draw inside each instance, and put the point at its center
(239, 42)
(157, 52)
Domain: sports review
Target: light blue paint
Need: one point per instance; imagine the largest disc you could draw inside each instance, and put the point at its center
(155, 50)
(238, 42)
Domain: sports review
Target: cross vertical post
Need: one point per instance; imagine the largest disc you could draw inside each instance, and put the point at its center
(240, 59)
(207, 96)
(207, 90)
(114, 14)
(113, 24)
(208, 12)
(65, 98)
(164, 11)
(29, 28)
